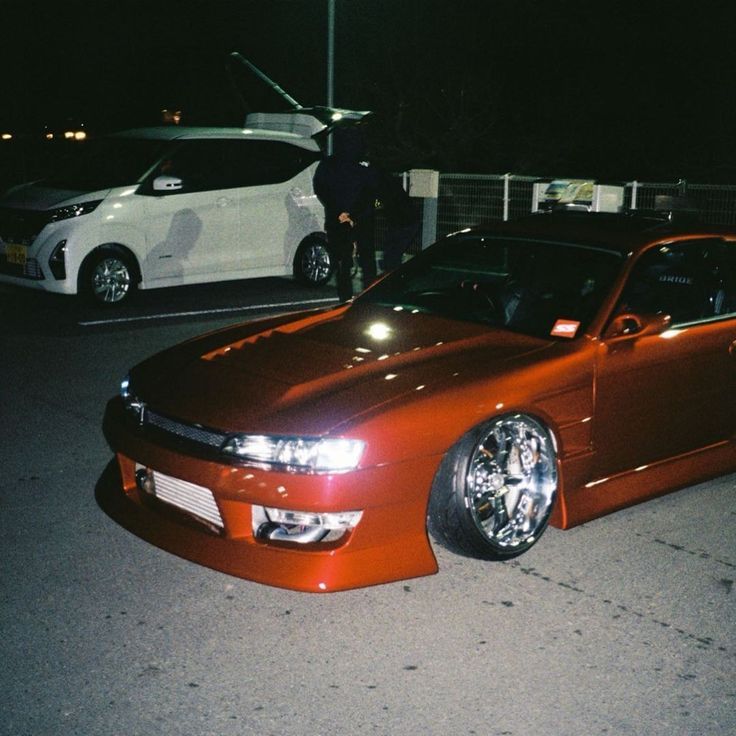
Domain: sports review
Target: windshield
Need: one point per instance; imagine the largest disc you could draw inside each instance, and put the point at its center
(105, 163)
(536, 287)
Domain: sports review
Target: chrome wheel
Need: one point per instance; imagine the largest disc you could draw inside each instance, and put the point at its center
(313, 263)
(511, 482)
(111, 280)
(495, 490)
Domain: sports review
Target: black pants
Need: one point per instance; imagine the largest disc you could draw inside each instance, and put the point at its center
(342, 239)
(396, 243)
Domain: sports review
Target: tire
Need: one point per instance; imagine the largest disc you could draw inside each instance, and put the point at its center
(313, 262)
(108, 277)
(495, 490)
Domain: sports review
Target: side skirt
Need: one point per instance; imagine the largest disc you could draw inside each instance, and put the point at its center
(605, 495)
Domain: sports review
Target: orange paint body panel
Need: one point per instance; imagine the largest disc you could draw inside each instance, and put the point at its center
(634, 410)
(362, 557)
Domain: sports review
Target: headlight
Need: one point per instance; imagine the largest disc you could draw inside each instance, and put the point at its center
(298, 454)
(73, 210)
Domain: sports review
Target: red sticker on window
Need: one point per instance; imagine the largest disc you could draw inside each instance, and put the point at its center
(565, 328)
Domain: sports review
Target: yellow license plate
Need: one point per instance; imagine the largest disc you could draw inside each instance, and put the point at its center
(16, 254)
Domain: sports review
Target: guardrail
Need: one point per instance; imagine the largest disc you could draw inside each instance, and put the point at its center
(465, 199)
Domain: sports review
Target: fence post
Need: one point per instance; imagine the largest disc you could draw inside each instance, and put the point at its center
(506, 182)
(429, 221)
(425, 183)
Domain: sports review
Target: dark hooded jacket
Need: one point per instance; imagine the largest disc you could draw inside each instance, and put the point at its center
(343, 182)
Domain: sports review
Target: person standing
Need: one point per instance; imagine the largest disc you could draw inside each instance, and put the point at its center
(402, 220)
(346, 185)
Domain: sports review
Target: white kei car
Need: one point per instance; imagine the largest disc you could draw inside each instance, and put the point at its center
(168, 206)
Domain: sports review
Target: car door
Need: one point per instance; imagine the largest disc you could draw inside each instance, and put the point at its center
(271, 177)
(663, 395)
(186, 227)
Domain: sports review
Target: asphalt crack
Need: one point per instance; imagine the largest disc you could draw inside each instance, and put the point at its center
(619, 609)
(695, 553)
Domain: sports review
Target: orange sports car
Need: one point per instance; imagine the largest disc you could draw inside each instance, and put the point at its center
(543, 371)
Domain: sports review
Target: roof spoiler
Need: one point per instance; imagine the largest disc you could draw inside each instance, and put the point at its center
(268, 106)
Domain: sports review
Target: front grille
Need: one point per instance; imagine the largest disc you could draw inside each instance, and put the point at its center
(189, 497)
(191, 432)
(20, 227)
(31, 269)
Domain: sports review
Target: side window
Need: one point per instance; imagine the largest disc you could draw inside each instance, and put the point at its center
(253, 162)
(205, 165)
(199, 165)
(691, 281)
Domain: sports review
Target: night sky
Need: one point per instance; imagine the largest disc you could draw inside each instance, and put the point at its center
(633, 90)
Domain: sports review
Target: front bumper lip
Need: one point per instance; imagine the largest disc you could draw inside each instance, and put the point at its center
(389, 543)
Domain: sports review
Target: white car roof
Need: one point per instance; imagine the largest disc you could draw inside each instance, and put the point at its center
(176, 132)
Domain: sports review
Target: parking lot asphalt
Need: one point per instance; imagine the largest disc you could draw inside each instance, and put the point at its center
(625, 625)
(33, 312)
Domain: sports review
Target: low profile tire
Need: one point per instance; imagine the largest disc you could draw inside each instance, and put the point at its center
(495, 490)
(109, 277)
(313, 262)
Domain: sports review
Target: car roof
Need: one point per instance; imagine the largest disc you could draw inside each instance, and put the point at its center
(623, 233)
(176, 132)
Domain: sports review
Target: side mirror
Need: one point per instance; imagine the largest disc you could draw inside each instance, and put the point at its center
(167, 184)
(631, 325)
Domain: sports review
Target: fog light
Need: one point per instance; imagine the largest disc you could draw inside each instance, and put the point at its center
(302, 526)
(337, 520)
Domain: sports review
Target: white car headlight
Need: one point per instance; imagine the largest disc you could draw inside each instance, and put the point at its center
(300, 454)
(72, 210)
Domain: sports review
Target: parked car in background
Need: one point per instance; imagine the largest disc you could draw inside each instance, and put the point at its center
(167, 206)
(572, 194)
(543, 371)
(578, 194)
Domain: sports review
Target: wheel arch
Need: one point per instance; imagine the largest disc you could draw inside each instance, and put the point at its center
(559, 515)
(320, 235)
(452, 463)
(315, 237)
(115, 247)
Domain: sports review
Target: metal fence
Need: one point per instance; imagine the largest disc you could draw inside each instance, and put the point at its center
(470, 199)
(466, 199)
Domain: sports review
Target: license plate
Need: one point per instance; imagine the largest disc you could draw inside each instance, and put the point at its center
(16, 253)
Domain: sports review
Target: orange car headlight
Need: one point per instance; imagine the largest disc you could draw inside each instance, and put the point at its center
(297, 454)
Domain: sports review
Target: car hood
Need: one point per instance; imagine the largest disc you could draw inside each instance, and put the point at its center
(37, 196)
(311, 375)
